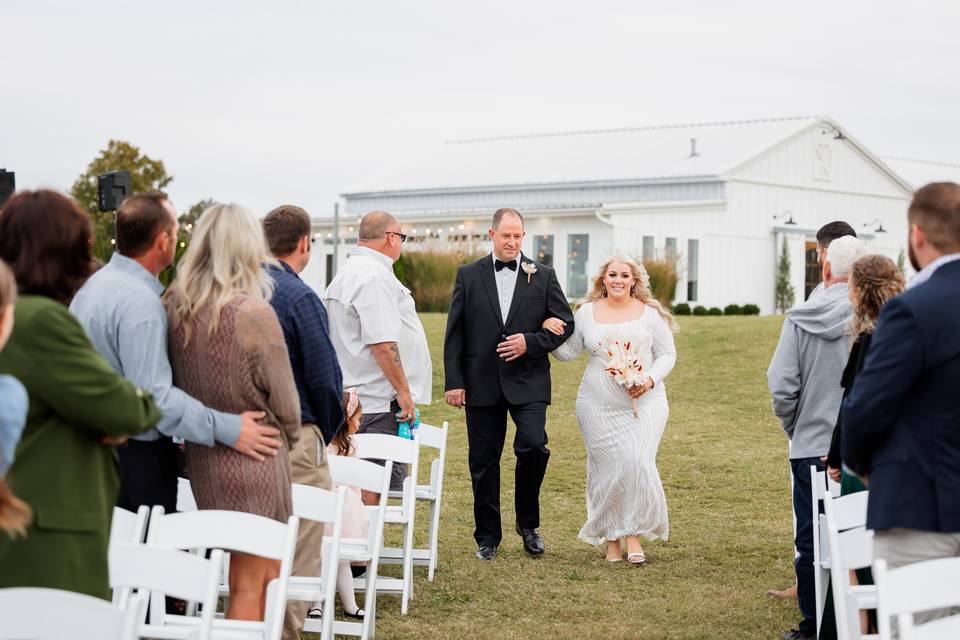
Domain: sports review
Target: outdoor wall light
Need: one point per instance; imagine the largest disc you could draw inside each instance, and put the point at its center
(787, 215)
(877, 229)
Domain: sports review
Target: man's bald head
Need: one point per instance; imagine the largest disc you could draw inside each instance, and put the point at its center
(375, 225)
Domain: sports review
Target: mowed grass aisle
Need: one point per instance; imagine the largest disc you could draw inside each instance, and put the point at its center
(723, 465)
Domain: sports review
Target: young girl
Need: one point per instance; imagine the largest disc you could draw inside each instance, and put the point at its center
(354, 523)
(14, 513)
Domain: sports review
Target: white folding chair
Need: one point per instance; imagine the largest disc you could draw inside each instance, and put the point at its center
(399, 451)
(165, 572)
(185, 499)
(185, 504)
(915, 588)
(432, 493)
(29, 613)
(851, 547)
(352, 472)
(820, 483)
(127, 527)
(311, 503)
(239, 532)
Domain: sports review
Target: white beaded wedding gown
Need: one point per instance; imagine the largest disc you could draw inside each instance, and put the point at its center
(624, 492)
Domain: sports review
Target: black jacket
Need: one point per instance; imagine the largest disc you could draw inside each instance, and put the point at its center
(901, 422)
(858, 354)
(474, 328)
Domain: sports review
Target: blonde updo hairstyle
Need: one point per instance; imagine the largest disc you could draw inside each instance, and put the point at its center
(640, 289)
(875, 279)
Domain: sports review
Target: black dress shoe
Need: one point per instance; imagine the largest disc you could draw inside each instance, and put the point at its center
(532, 542)
(487, 552)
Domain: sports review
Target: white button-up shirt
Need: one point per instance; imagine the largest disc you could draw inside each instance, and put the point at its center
(367, 305)
(925, 274)
(506, 284)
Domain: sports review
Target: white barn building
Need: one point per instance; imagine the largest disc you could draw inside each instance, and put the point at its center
(719, 196)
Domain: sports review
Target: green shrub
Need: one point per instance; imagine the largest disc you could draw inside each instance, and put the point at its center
(663, 279)
(682, 309)
(732, 310)
(715, 311)
(699, 310)
(430, 276)
(751, 310)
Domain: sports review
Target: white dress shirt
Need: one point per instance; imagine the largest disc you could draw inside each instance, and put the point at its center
(366, 305)
(506, 284)
(924, 274)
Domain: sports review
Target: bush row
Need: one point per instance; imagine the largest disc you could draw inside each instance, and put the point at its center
(683, 309)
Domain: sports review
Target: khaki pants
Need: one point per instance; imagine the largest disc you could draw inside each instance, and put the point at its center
(900, 547)
(308, 464)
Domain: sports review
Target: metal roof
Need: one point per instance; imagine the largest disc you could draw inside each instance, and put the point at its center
(921, 172)
(669, 152)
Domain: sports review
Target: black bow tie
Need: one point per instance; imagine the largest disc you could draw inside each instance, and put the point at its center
(500, 264)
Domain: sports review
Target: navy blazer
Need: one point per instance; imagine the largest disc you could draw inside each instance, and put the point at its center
(474, 328)
(901, 422)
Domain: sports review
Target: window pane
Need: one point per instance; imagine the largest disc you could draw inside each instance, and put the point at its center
(693, 262)
(648, 247)
(543, 249)
(671, 247)
(578, 251)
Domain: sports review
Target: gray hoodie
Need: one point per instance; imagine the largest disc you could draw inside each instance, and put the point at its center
(804, 374)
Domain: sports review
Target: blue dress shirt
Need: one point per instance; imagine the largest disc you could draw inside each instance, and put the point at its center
(307, 332)
(13, 417)
(120, 308)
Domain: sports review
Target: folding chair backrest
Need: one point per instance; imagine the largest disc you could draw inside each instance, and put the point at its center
(185, 499)
(436, 438)
(922, 586)
(431, 436)
(30, 613)
(363, 474)
(846, 512)
(215, 529)
(166, 572)
(316, 504)
(127, 527)
(379, 446)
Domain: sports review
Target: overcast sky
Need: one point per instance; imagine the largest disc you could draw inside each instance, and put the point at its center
(272, 102)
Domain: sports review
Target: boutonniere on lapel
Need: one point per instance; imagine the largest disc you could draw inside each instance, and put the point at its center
(529, 268)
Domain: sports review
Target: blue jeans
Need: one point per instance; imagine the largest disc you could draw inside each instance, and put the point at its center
(806, 589)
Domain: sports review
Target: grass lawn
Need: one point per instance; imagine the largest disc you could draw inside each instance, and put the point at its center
(724, 469)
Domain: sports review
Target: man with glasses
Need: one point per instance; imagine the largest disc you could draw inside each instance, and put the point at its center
(377, 334)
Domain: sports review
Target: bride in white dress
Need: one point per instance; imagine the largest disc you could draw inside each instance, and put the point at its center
(625, 497)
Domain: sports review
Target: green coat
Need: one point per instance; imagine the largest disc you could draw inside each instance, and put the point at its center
(61, 469)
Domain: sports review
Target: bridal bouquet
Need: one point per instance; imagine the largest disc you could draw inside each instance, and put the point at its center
(625, 366)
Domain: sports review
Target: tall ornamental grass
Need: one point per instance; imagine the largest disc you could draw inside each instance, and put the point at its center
(430, 276)
(663, 278)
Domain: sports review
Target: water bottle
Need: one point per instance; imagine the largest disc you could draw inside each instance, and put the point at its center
(408, 428)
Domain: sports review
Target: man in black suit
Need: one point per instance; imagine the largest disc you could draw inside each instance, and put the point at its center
(901, 421)
(495, 356)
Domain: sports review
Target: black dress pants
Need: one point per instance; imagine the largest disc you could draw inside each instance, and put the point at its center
(486, 433)
(148, 474)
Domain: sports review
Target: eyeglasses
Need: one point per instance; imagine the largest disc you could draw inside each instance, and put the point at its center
(402, 236)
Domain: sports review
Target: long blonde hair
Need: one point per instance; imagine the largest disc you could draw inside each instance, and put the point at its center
(875, 279)
(640, 289)
(225, 260)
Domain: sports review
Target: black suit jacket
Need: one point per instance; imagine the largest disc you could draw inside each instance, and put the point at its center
(474, 328)
(901, 422)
